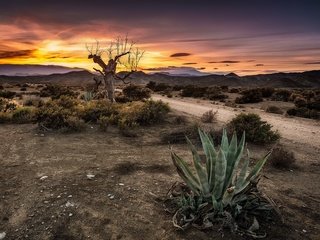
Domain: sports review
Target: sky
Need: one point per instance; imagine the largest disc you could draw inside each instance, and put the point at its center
(246, 37)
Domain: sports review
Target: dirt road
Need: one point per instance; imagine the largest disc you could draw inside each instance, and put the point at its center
(298, 130)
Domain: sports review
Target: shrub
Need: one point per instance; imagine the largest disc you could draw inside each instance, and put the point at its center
(33, 101)
(23, 115)
(267, 92)
(257, 131)
(282, 158)
(220, 190)
(96, 109)
(7, 94)
(234, 90)
(136, 93)
(142, 113)
(304, 112)
(180, 119)
(151, 85)
(281, 95)
(5, 117)
(274, 109)
(104, 122)
(300, 102)
(56, 91)
(250, 96)
(209, 116)
(193, 91)
(55, 115)
(74, 124)
(215, 93)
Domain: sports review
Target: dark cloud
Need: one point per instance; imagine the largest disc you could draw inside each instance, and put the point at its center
(226, 61)
(13, 54)
(180, 54)
(201, 68)
(259, 65)
(313, 63)
(190, 63)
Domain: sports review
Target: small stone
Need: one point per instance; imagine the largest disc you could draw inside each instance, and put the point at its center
(121, 184)
(45, 202)
(90, 176)
(42, 135)
(304, 231)
(111, 197)
(2, 235)
(70, 214)
(58, 196)
(43, 178)
(69, 204)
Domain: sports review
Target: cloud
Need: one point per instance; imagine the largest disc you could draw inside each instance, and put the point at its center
(259, 65)
(190, 63)
(313, 63)
(226, 61)
(180, 54)
(13, 54)
(201, 68)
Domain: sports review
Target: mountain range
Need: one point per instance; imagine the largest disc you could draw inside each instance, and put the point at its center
(80, 77)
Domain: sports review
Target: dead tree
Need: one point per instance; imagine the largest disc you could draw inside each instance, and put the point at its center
(120, 52)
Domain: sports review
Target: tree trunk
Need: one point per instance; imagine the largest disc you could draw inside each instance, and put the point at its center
(109, 87)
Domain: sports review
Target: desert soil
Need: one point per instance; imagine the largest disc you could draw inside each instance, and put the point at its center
(45, 192)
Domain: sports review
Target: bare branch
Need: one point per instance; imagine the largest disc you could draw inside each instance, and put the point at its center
(99, 71)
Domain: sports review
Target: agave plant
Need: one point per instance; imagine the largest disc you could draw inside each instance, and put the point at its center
(221, 181)
(88, 96)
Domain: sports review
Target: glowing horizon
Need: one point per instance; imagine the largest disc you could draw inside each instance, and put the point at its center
(245, 41)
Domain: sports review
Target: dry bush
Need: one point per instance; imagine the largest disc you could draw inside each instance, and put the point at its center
(104, 123)
(250, 96)
(209, 116)
(180, 119)
(95, 109)
(7, 94)
(136, 93)
(23, 115)
(35, 101)
(257, 131)
(56, 91)
(5, 117)
(274, 109)
(281, 95)
(282, 158)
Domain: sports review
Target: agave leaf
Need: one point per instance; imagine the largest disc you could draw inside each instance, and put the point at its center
(257, 168)
(253, 173)
(224, 141)
(185, 173)
(201, 172)
(220, 174)
(211, 156)
(231, 158)
(242, 175)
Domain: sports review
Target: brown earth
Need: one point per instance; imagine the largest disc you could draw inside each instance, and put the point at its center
(124, 200)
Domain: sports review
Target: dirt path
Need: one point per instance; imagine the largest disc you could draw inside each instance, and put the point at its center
(299, 130)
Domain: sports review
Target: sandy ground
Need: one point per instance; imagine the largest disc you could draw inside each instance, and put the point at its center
(305, 131)
(45, 193)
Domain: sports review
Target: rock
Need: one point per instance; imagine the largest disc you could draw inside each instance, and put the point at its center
(90, 176)
(121, 184)
(69, 204)
(70, 196)
(2, 235)
(43, 178)
(70, 214)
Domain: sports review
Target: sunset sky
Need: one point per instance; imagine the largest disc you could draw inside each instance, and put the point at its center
(245, 37)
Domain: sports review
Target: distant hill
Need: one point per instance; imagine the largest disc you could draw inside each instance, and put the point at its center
(33, 69)
(310, 79)
(77, 78)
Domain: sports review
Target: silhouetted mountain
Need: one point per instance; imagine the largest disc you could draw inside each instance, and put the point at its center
(33, 69)
(77, 78)
(310, 79)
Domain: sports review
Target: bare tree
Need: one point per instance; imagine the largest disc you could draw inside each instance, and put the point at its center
(120, 52)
